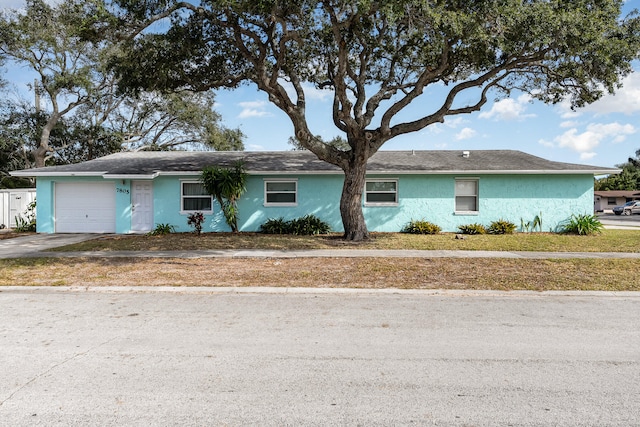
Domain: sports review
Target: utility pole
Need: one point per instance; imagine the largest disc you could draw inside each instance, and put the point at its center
(36, 90)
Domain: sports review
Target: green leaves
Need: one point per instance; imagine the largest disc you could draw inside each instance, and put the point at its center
(227, 185)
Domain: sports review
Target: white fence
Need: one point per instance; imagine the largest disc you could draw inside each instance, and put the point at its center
(14, 203)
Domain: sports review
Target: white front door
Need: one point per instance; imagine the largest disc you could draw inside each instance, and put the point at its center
(141, 206)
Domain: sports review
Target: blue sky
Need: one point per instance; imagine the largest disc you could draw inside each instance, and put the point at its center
(604, 133)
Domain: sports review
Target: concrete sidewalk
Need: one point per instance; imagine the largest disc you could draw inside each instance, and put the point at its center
(33, 246)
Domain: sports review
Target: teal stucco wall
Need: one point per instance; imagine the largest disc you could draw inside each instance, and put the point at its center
(430, 197)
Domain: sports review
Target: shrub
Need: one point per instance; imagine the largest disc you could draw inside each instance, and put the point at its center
(162, 229)
(196, 219)
(472, 229)
(275, 226)
(582, 225)
(306, 225)
(421, 227)
(501, 226)
(227, 185)
(28, 222)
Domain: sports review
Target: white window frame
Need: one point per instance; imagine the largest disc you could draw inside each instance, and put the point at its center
(267, 181)
(366, 193)
(183, 197)
(477, 196)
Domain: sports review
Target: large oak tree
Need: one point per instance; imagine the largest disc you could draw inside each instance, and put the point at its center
(379, 57)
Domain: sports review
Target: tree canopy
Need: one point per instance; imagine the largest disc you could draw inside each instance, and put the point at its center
(379, 57)
(628, 179)
(82, 115)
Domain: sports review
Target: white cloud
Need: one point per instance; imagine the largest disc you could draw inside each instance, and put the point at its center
(587, 156)
(626, 100)
(454, 122)
(595, 133)
(569, 124)
(509, 109)
(465, 133)
(546, 143)
(253, 109)
(451, 123)
(312, 92)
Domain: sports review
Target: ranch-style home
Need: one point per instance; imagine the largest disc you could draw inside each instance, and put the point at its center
(133, 192)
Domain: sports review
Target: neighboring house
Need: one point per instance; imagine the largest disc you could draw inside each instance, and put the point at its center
(14, 203)
(133, 192)
(607, 200)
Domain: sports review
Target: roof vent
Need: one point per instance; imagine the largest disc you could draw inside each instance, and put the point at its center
(465, 154)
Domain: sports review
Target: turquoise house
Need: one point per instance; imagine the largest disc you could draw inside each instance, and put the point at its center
(133, 192)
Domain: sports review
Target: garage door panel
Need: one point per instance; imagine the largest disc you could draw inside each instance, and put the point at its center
(85, 207)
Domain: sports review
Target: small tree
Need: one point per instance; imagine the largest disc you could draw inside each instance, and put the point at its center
(227, 185)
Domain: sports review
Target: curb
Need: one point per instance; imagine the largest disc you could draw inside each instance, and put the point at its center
(208, 290)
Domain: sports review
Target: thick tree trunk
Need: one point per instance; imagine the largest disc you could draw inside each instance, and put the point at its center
(355, 227)
(40, 153)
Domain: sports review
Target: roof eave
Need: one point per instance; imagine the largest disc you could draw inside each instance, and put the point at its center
(27, 173)
(155, 174)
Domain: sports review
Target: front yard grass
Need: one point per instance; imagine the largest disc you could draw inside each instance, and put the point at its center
(607, 241)
(361, 273)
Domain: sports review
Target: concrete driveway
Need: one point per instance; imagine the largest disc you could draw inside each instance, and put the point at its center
(23, 246)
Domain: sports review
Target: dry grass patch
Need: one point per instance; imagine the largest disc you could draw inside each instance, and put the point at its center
(608, 241)
(367, 273)
(10, 234)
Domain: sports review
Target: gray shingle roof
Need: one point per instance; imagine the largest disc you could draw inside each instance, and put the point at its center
(259, 162)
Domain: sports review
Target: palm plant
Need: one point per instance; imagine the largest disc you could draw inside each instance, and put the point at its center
(227, 185)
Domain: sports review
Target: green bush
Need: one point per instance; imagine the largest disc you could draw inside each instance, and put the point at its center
(162, 229)
(501, 226)
(308, 225)
(472, 229)
(421, 227)
(303, 226)
(275, 226)
(582, 225)
(28, 222)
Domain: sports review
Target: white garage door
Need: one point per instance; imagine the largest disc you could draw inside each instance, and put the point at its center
(85, 207)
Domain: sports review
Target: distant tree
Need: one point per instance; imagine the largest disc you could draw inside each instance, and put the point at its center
(51, 42)
(67, 46)
(378, 58)
(628, 179)
(338, 142)
(169, 121)
(71, 140)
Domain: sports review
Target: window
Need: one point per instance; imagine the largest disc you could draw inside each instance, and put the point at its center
(381, 192)
(280, 193)
(466, 195)
(195, 197)
(611, 201)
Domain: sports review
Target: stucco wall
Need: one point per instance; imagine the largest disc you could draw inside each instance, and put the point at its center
(509, 197)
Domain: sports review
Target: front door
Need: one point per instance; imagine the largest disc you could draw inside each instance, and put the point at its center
(141, 206)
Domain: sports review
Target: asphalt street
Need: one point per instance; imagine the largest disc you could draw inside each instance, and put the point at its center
(272, 358)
